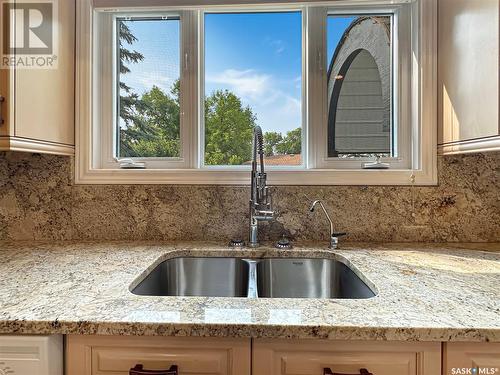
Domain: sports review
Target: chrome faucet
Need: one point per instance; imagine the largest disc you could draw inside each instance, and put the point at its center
(334, 236)
(260, 201)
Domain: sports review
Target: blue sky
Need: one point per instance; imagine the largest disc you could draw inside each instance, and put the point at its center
(335, 27)
(258, 56)
(158, 41)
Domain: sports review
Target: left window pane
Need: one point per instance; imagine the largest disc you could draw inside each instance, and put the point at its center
(148, 83)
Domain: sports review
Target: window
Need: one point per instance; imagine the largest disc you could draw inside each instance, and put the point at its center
(148, 78)
(359, 79)
(333, 86)
(258, 81)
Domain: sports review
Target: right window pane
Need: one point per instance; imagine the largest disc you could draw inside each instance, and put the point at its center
(360, 86)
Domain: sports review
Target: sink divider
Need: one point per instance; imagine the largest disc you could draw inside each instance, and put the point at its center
(252, 278)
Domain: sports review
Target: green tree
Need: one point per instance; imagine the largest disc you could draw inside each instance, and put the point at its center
(292, 143)
(151, 122)
(127, 97)
(228, 129)
(155, 129)
(271, 141)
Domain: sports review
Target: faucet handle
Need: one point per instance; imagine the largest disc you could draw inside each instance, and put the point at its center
(264, 215)
(334, 239)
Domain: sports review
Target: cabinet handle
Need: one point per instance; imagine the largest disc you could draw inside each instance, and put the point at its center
(328, 371)
(139, 370)
(2, 100)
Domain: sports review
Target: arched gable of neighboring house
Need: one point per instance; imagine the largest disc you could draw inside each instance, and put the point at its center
(359, 89)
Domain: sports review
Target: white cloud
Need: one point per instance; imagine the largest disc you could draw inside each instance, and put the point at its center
(298, 82)
(245, 83)
(279, 46)
(276, 44)
(292, 105)
(275, 109)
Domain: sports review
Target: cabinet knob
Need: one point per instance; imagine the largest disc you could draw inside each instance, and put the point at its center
(328, 371)
(139, 370)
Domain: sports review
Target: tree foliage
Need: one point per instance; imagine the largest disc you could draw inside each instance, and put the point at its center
(271, 140)
(127, 97)
(228, 129)
(151, 122)
(292, 142)
(277, 144)
(155, 129)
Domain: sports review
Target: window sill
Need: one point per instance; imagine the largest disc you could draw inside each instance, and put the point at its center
(276, 177)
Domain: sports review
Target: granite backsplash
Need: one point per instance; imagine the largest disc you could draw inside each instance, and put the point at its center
(38, 201)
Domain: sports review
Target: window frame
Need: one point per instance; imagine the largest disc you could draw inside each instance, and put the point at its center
(89, 168)
(400, 122)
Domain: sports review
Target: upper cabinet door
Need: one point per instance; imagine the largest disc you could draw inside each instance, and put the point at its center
(468, 75)
(37, 76)
(44, 104)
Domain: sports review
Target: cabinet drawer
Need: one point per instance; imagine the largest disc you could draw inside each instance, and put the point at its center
(312, 357)
(103, 355)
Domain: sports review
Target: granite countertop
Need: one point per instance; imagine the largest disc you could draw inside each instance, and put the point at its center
(425, 293)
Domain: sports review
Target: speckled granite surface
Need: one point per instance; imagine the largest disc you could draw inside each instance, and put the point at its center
(38, 201)
(425, 292)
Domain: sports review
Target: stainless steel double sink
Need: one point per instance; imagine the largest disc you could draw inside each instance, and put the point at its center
(263, 278)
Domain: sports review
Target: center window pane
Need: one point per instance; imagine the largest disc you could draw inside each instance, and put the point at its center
(253, 76)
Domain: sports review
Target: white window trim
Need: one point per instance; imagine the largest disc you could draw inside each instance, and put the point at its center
(424, 115)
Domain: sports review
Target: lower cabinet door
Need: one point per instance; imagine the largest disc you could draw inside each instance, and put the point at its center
(325, 357)
(31, 355)
(111, 355)
(471, 358)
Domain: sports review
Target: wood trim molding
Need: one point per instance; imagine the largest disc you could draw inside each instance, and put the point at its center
(32, 145)
(488, 144)
(113, 4)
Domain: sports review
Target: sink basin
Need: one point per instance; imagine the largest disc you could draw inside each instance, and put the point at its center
(263, 278)
(209, 277)
(309, 278)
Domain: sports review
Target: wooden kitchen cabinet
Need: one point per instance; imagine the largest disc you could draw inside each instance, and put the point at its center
(468, 76)
(312, 357)
(483, 356)
(38, 106)
(31, 355)
(112, 355)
